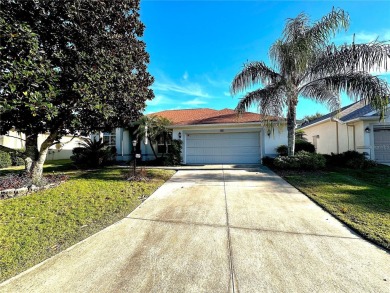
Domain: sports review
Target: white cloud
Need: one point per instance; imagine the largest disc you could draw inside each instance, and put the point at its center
(191, 89)
(227, 94)
(216, 83)
(194, 102)
(364, 37)
(160, 100)
(185, 75)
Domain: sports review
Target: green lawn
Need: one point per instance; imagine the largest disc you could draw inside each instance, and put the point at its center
(37, 226)
(359, 198)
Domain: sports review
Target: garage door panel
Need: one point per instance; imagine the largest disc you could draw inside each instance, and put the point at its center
(382, 144)
(216, 148)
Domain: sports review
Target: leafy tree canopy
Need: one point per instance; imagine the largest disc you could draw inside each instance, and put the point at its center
(70, 66)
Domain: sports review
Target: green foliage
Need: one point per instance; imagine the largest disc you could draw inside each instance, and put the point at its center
(71, 66)
(309, 118)
(153, 127)
(268, 161)
(308, 65)
(349, 159)
(359, 198)
(174, 156)
(302, 145)
(16, 160)
(93, 153)
(282, 150)
(301, 161)
(37, 227)
(300, 134)
(5, 160)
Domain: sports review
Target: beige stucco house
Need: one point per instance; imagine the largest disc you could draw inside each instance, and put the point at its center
(59, 151)
(211, 136)
(355, 127)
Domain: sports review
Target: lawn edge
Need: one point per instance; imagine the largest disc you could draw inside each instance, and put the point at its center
(372, 241)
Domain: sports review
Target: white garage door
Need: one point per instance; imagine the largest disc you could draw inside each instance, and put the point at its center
(223, 148)
(382, 143)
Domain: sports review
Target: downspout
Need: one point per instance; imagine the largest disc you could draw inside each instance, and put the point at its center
(337, 132)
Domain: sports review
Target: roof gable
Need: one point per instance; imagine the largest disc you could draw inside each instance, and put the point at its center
(353, 111)
(208, 116)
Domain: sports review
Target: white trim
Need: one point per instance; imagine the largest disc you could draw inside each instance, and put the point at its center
(218, 125)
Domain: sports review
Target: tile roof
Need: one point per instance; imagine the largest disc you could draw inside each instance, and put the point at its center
(353, 111)
(207, 116)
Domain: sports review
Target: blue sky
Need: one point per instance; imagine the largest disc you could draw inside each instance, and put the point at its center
(197, 47)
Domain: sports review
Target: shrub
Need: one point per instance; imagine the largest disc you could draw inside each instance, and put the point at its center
(349, 159)
(174, 156)
(302, 161)
(268, 161)
(5, 160)
(94, 153)
(302, 145)
(16, 161)
(282, 150)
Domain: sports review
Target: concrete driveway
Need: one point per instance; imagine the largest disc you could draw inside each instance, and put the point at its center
(217, 230)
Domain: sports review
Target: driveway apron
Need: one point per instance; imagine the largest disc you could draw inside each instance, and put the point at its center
(217, 230)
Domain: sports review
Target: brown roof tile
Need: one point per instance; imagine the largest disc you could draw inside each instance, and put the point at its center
(207, 116)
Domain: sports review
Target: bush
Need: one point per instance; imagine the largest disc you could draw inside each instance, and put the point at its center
(268, 161)
(174, 156)
(301, 161)
(349, 159)
(94, 153)
(302, 145)
(16, 161)
(5, 160)
(282, 150)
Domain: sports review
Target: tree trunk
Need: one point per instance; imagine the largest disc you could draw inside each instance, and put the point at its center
(291, 123)
(151, 146)
(31, 151)
(37, 165)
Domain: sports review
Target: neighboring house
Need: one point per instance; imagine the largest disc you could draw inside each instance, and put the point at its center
(355, 127)
(211, 137)
(59, 151)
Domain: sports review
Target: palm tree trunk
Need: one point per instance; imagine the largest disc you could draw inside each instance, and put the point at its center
(291, 123)
(151, 146)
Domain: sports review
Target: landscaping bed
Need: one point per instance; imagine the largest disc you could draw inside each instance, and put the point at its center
(359, 198)
(38, 226)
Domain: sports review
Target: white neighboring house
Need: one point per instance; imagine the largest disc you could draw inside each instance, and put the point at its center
(211, 137)
(355, 127)
(59, 151)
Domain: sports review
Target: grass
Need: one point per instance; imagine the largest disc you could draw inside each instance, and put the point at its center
(359, 198)
(36, 227)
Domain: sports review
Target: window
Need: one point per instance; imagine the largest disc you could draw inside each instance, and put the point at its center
(164, 143)
(110, 138)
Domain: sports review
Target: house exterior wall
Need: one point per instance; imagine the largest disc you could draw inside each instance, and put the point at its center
(351, 135)
(60, 151)
(267, 143)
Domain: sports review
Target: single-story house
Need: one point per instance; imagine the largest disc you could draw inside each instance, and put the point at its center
(355, 127)
(59, 151)
(211, 137)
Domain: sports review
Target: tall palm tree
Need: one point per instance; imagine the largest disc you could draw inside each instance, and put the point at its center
(306, 65)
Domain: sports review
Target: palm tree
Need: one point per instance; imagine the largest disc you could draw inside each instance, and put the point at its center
(157, 126)
(306, 65)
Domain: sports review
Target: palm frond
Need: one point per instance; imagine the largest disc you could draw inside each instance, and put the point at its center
(253, 73)
(270, 101)
(327, 27)
(318, 92)
(295, 28)
(369, 57)
(360, 86)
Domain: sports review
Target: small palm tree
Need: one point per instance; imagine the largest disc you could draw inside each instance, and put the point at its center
(307, 66)
(157, 126)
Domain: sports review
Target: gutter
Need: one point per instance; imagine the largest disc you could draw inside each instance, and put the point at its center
(216, 125)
